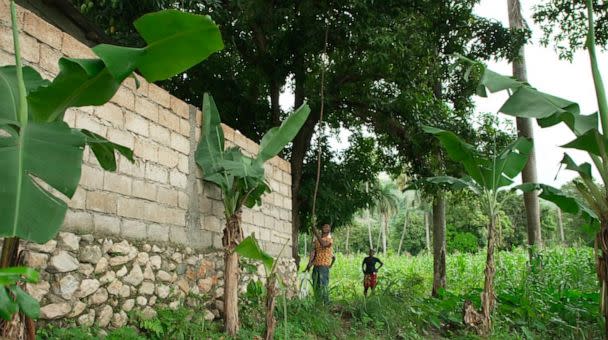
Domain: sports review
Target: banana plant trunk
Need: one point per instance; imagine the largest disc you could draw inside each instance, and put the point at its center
(439, 244)
(601, 243)
(233, 234)
(271, 294)
(481, 322)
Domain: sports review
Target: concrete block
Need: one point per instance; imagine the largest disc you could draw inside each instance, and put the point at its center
(133, 229)
(146, 108)
(101, 201)
(178, 179)
(168, 119)
(78, 221)
(145, 149)
(106, 224)
(137, 124)
(184, 127)
(112, 114)
(179, 107)
(42, 30)
(159, 95)
(136, 169)
(157, 173)
(144, 189)
(158, 233)
(49, 58)
(124, 98)
(160, 134)
(78, 201)
(117, 183)
(131, 207)
(180, 143)
(168, 157)
(121, 137)
(167, 196)
(84, 121)
(91, 178)
(74, 48)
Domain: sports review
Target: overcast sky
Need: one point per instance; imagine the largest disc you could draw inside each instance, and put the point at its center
(572, 81)
(547, 73)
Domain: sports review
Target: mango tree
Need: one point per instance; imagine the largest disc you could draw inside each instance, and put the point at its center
(242, 183)
(549, 110)
(487, 176)
(37, 146)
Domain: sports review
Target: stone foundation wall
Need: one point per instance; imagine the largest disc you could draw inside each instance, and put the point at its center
(91, 280)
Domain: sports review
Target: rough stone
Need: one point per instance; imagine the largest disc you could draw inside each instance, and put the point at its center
(102, 266)
(209, 315)
(38, 290)
(184, 285)
(119, 319)
(177, 257)
(100, 296)
(88, 238)
(148, 313)
(148, 273)
(47, 247)
(69, 241)
(143, 258)
(205, 285)
(87, 319)
(90, 254)
(163, 276)
(121, 272)
(105, 315)
(174, 305)
(128, 305)
(163, 291)
(86, 269)
(141, 300)
(36, 260)
(68, 286)
(135, 277)
(156, 249)
(121, 248)
(55, 310)
(106, 245)
(77, 309)
(152, 301)
(119, 260)
(147, 288)
(108, 277)
(88, 287)
(62, 263)
(125, 291)
(115, 287)
(156, 261)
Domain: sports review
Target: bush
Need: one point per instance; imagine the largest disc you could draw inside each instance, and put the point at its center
(463, 242)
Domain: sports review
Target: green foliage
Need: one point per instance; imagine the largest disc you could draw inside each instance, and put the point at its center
(241, 178)
(463, 242)
(85, 333)
(12, 298)
(180, 324)
(250, 249)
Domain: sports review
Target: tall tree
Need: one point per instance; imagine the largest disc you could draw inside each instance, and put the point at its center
(525, 128)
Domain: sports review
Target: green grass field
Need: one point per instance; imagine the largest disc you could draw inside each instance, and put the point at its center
(556, 299)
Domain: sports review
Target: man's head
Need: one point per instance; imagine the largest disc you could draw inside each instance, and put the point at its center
(326, 228)
(372, 252)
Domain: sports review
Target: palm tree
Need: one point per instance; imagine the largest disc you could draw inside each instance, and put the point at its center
(386, 204)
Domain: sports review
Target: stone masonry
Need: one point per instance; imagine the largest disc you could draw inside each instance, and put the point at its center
(160, 197)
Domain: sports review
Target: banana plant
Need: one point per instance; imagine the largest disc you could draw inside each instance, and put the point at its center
(242, 182)
(36, 145)
(487, 175)
(548, 110)
(251, 249)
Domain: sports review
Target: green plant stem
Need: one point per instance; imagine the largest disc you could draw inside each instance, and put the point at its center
(22, 113)
(597, 77)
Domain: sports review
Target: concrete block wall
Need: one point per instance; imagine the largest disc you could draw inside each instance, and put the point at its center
(160, 197)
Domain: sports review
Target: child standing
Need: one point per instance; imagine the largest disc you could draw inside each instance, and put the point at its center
(370, 278)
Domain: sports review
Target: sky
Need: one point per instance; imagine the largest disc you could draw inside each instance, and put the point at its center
(572, 81)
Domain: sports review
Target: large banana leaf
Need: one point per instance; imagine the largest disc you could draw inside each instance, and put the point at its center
(181, 39)
(210, 150)
(276, 138)
(250, 248)
(512, 160)
(591, 141)
(176, 42)
(51, 152)
(452, 182)
(9, 96)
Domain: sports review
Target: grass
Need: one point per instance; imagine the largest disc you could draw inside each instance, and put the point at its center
(557, 298)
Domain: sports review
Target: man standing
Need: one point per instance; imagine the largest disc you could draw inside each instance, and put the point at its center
(369, 271)
(322, 260)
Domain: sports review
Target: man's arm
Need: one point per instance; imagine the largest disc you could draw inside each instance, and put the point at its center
(312, 258)
(363, 266)
(381, 264)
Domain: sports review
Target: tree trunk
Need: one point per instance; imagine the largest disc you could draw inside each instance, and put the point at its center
(601, 243)
(384, 234)
(271, 293)
(402, 234)
(482, 322)
(275, 92)
(427, 230)
(380, 231)
(560, 225)
(347, 236)
(439, 243)
(233, 234)
(525, 128)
